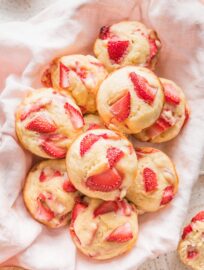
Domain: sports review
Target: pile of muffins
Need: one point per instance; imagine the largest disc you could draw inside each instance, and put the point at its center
(93, 178)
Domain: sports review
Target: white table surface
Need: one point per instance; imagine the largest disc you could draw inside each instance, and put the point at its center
(19, 10)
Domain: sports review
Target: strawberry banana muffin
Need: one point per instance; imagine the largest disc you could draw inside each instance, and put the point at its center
(111, 227)
(173, 116)
(80, 75)
(127, 43)
(47, 121)
(191, 246)
(48, 194)
(130, 99)
(102, 164)
(92, 121)
(156, 182)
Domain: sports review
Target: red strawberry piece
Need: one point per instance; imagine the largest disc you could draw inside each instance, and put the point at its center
(41, 125)
(83, 109)
(78, 208)
(159, 127)
(192, 252)
(57, 173)
(42, 177)
(52, 150)
(142, 89)
(121, 234)
(93, 126)
(30, 109)
(106, 181)
(170, 94)
(106, 207)
(43, 211)
(187, 115)
(131, 149)
(63, 76)
(188, 229)
(75, 116)
(150, 180)
(53, 137)
(68, 187)
(114, 155)
(80, 71)
(46, 79)
(168, 195)
(125, 207)
(153, 48)
(88, 141)
(121, 108)
(104, 32)
(198, 217)
(117, 50)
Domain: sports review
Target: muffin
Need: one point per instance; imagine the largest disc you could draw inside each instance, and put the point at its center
(80, 75)
(127, 43)
(191, 245)
(92, 121)
(111, 228)
(47, 121)
(156, 182)
(48, 194)
(102, 164)
(130, 99)
(173, 116)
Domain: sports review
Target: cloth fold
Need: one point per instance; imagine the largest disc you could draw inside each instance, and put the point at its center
(71, 27)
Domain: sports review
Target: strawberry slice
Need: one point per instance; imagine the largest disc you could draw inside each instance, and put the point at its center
(142, 89)
(106, 207)
(114, 155)
(104, 32)
(198, 217)
(150, 180)
(57, 173)
(94, 126)
(41, 104)
(153, 48)
(188, 229)
(78, 208)
(106, 181)
(159, 127)
(52, 150)
(68, 187)
(187, 114)
(75, 116)
(63, 76)
(41, 125)
(192, 252)
(46, 79)
(88, 141)
(42, 177)
(168, 195)
(43, 211)
(121, 234)
(121, 108)
(80, 71)
(125, 207)
(170, 94)
(117, 50)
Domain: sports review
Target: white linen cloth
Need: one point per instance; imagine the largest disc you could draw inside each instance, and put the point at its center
(71, 27)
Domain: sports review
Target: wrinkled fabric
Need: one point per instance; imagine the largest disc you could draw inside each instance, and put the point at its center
(67, 27)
